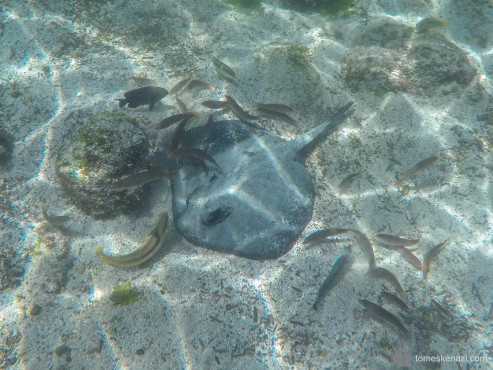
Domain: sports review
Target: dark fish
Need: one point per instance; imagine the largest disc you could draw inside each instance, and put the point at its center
(210, 120)
(410, 257)
(475, 292)
(143, 81)
(54, 220)
(181, 104)
(177, 137)
(319, 235)
(442, 310)
(196, 162)
(237, 110)
(392, 298)
(278, 116)
(148, 95)
(139, 179)
(365, 246)
(176, 89)
(215, 104)
(348, 181)
(395, 240)
(416, 168)
(380, 272)
(168, 121)
(198, 85)
(224, 70)
(196, 153)
(277, 108)
(338, 270)
(382, 314)
(431, 254)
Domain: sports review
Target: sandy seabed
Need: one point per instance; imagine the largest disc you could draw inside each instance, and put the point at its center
(416, 95)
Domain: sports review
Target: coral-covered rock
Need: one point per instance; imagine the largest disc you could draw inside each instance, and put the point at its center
(109, 146)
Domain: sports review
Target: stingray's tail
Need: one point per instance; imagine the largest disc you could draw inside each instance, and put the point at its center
(122, 102)
(305, 143)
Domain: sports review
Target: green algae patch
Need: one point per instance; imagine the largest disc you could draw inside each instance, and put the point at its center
(244, 5)
(293, 59)
(286, 73)
(405, 190)
(297, 55)
(107, 147)
(124, 295)
(429, 66)
(384, 343)
(35, 249)
(334, 7)
(63, 350)
(324, 7)
(371, 73)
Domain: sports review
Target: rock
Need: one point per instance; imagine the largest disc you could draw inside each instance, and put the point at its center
(11, 271)
(109, 146)
(35, 310)
(439, 65)
(6, 144)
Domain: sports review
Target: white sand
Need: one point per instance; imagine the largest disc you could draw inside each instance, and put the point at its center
(201, 309)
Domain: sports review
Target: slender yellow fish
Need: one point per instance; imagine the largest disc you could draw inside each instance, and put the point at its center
(145, 252)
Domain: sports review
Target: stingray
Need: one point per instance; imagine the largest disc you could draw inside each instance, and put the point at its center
(260, 201)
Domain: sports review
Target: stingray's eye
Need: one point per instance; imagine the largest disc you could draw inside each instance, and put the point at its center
(216, 217)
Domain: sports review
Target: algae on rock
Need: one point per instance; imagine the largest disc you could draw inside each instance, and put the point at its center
(324, 7)
(245, 5)
(109, 146)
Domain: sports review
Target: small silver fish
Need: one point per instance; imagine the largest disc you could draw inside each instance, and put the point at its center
(346, 182)
(382, 273)
(181, 104)
(431, 254)
(142, 254)
(278, 116)
(198, 85)
(319, 235)
(224, 70)
(410, 257)
(215, 104)
(430, 23)
(196, 153)
(238, 111)
(392, 298)
(139, 179)
(54, 220)
(171, 120)
(274, 107)
(143, 81)
(425, 163)
(395, 240)
(381, 313)
(365, 246)
(180, 85)
(338, 270)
